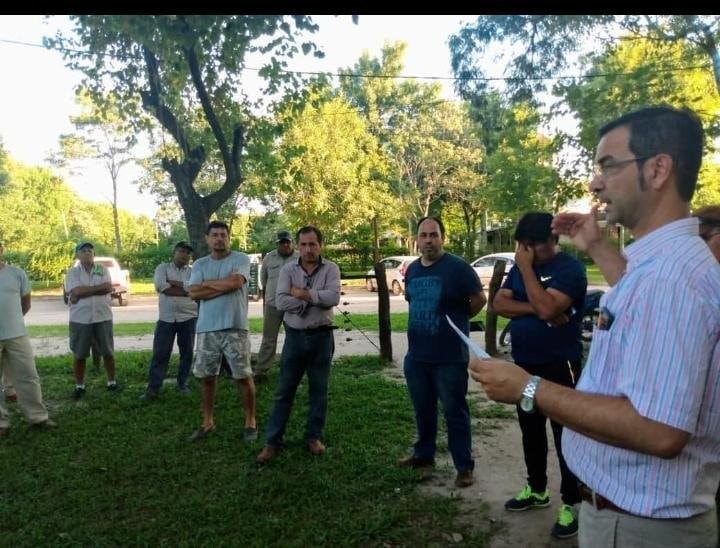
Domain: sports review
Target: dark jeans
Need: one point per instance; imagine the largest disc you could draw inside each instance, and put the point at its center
(426, 383)
(163, 341)
(534, 434)
(304, 351)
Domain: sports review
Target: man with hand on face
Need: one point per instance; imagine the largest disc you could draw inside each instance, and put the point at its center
(177, 317)
(307, 291)
(219, 282)
(89, 286)
(543, 295)
(272, 317)
(436, 285)
(643, 424)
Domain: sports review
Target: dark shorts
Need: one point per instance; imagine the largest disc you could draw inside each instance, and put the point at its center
(83, 334)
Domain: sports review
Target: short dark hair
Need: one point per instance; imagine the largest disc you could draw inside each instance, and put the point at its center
(708, 215)
(306, 230)
(666, 130)
(183, 245)
(216, 224)
(534, 226)
(431, 218)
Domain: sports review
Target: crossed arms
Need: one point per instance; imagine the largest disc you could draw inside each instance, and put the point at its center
(209, 289)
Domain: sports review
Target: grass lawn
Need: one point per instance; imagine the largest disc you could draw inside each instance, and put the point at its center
(365, 322)
(119, 471)
(594, 276)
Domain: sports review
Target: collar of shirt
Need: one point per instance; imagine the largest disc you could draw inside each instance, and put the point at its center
(645, 248)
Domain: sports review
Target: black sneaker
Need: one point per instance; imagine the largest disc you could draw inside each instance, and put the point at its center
(78, 393)
(527, 499)
(566, 525)
(114, 387)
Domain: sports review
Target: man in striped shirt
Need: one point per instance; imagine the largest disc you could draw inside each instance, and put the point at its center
(643, 425)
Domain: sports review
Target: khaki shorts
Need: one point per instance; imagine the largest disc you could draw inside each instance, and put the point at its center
(83, 334)
(211, 346)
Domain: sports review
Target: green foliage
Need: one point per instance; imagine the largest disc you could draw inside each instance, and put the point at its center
(120, 472)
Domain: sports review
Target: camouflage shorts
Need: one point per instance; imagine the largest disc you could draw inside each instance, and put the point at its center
(211, 346)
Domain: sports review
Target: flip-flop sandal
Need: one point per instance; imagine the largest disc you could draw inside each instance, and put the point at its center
(200, 433)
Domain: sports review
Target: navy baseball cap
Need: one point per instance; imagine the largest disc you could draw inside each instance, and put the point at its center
(283, 235)
(184, 245)
(83, 245)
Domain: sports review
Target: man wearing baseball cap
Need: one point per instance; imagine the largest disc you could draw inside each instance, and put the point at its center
(177, 316)
(89, 287)
(272, 317)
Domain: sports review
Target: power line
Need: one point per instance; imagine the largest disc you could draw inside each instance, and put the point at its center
(590, 76)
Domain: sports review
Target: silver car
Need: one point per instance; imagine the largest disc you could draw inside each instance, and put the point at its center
(395, 268)
(485, 265)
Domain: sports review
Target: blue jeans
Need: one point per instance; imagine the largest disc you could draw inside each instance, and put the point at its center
(304, 351)
(426, 383)
(163, 341)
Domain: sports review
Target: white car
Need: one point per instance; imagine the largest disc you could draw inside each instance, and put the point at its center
(395, 268)
(485, 265)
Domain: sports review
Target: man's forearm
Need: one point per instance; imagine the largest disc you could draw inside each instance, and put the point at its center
(84, 291)
(175, 291)
(543, 304)
(199, 293)
(511, 308)
(608, 419)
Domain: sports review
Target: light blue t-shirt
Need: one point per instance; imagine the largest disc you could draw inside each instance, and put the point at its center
(14, 284)
(228, 311)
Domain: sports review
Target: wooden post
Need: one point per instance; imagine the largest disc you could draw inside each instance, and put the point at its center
(491, 315)
(383, 312)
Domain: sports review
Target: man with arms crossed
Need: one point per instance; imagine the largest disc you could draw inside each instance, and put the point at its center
(436, 285)
(177, 316)
(307, 291)
(89, 286)
(219, 282)
(643, 425)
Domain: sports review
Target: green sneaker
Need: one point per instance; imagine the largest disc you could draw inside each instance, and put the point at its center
(527, 499)
(566, 525)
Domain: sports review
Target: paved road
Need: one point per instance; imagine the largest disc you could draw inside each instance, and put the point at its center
(52, 310)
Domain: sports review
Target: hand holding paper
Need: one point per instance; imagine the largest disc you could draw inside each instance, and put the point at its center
(474, 348)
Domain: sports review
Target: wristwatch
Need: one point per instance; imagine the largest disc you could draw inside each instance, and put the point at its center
(527, 402)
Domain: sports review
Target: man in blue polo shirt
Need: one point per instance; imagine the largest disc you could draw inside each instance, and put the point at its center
(543, 297)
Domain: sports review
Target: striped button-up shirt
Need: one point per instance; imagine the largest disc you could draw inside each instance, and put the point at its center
(661, 352)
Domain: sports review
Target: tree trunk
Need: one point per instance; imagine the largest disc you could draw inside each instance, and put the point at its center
(491, 315)
(376, 240)
(116, 220)
(383, 313)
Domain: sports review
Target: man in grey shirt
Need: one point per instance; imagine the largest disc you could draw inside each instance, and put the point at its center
(219, 282)
(177, 317)
(307, 291)
(272, 317)
(15, 349)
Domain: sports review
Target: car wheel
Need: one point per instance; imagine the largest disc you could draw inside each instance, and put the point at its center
(369, 285)
(122, 300)
(65, 298)
(396, 289)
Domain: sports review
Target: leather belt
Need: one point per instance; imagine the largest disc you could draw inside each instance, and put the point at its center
(598, 501)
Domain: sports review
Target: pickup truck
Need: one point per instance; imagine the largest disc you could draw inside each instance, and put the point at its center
(120, 280)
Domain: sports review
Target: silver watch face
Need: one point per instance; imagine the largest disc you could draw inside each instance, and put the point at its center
(527, 404)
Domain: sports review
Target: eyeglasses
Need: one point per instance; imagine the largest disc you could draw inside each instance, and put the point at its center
(610, 167)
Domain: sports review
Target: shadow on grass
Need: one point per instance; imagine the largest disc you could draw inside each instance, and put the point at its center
(119, 471)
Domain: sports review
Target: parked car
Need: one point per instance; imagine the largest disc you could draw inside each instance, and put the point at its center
(394, 273)
(119, 277)
(485, 265)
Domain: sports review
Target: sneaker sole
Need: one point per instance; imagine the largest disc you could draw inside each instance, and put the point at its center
(568, 535)
(531, 507)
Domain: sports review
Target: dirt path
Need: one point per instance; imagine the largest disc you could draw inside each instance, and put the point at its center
(499, 467)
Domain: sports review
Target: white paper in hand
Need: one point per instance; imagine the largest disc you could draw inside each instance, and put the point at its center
(474, 348)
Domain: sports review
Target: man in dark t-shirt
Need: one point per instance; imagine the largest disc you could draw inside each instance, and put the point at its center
(436, 285)
(543, 296)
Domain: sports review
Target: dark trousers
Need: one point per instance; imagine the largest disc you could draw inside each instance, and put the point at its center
(448, 382)
(163, 341)
(534, 433)
(304, 351)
